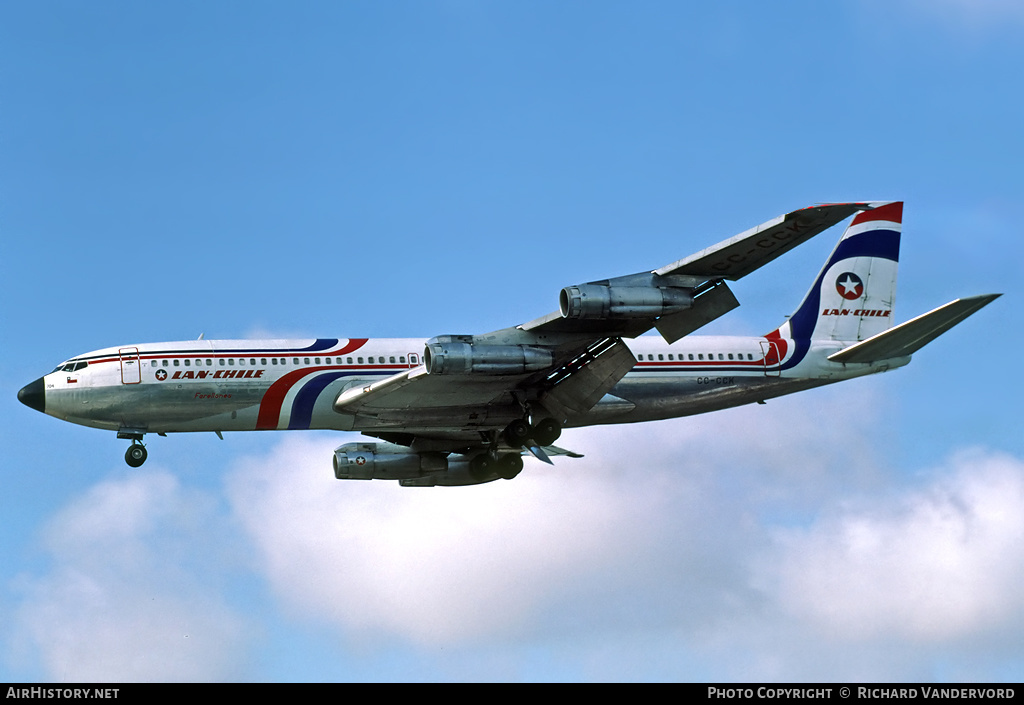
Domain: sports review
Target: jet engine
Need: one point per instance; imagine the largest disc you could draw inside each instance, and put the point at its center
(596, 301)
(454, 355)
(386, 461)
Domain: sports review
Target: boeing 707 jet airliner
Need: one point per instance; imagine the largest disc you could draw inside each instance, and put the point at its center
(465, 409)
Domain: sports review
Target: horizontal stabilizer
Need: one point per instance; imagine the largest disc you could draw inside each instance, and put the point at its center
(907, 338)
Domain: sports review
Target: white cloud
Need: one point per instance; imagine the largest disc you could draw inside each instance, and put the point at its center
(657, 509)
(434, 566)
(939, 563)
(768, 542)
(121, 600)
(750, 543)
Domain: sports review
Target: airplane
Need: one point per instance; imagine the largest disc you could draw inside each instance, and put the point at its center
(465, 409)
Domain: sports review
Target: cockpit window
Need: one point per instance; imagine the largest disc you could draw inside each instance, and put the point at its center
(70, 366)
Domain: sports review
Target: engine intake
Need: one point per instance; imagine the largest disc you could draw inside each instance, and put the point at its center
(595, 301)
(450, 355)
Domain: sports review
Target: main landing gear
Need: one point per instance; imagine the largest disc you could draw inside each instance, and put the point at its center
(486, 466)
(516, 435)
(545, 432)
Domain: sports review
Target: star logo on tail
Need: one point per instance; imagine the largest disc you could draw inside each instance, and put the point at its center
(850, 286)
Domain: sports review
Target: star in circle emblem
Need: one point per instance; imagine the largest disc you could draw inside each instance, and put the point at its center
(850, 286)
(161, 375)
(360, 460)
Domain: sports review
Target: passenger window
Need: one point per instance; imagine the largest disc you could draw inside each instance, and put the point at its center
(305, 360)
(720, 356)
(316, 360)
(153, 364)
(661, 357)
(402, 358)
(263, 360)
(392, 358)
(349, 359)
(177, 363)
(222, 362)
(691, 356)
(700, 356)
(730, 356)
(187, 363)
(295, 360)
(165, 363)
(359, 360)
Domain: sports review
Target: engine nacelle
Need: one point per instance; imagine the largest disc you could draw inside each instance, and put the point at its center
(595, 301)
(456, 355)
(384, 461)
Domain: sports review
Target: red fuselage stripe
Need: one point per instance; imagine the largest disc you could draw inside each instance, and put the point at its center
(273, 400)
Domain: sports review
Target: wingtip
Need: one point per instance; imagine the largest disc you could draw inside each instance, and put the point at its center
(891, 211)
(982, 299)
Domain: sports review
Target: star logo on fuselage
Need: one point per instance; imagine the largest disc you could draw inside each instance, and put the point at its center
(850, 286)
(161, 375)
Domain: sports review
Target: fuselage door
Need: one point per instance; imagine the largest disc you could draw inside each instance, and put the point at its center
(414, 359)
(131, 372)
(772, 359)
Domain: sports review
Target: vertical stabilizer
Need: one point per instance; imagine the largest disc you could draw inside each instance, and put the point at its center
(855, 292)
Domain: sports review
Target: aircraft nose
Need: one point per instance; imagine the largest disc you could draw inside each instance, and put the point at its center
(33, 395)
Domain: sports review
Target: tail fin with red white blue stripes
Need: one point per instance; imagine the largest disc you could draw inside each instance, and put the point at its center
(854, 295)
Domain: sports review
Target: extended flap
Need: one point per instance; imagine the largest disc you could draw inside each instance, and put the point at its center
(581, 383)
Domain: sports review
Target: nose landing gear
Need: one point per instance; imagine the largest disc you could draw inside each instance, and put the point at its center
(136, 454)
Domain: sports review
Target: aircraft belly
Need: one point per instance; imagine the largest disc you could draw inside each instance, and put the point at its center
(156, 408)
(671, 397)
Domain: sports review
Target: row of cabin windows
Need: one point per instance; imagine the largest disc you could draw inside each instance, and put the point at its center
(699, 356)
(199, 362)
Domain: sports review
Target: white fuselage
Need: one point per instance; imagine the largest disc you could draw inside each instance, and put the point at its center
(246, 385)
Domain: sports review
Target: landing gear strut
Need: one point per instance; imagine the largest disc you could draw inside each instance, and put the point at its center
(136, 454)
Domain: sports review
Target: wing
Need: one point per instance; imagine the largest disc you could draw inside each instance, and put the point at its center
(470, 387)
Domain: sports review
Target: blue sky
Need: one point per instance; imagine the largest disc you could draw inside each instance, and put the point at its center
(404, 169)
